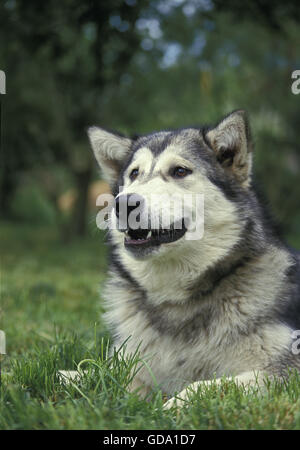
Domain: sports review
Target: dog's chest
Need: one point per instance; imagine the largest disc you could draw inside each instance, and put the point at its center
(186, 337)
(180, 342)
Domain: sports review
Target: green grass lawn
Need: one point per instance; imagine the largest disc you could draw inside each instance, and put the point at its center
(51, 311)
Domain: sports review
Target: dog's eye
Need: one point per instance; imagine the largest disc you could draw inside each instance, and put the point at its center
(181, 172)
(133, 174)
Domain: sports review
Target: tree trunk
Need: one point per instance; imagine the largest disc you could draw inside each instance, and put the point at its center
(78, 225)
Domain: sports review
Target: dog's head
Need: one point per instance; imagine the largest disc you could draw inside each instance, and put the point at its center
(191, 167)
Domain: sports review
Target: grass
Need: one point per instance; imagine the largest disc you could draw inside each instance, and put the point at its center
(51, 312)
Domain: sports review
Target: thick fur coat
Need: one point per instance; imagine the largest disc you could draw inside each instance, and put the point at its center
(222, 305)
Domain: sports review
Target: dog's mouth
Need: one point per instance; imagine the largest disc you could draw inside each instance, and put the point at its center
(144, 238)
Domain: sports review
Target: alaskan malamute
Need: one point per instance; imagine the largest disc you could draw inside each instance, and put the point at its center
(224, 304)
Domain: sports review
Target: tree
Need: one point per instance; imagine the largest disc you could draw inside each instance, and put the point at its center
(59, 58)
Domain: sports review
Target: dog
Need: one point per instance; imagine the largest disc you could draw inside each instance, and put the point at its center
(224, 305)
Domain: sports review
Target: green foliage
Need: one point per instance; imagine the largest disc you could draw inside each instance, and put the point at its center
(30, 202)
(58, 60)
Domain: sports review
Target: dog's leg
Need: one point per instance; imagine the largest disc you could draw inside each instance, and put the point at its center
(245, 379)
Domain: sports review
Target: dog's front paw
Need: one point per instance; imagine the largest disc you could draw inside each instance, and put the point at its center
(68, 375)
(178, 401)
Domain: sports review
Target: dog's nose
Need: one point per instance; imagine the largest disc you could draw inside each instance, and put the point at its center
(125, 204)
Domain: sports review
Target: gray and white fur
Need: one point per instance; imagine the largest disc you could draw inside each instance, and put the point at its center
(223, 305)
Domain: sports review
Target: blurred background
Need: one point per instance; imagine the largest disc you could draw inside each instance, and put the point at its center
(137, 66)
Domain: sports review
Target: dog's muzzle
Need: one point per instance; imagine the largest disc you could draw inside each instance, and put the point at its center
(141, 235)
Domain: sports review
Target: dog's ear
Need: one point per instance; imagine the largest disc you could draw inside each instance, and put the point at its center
(110, 151)
(231, 141)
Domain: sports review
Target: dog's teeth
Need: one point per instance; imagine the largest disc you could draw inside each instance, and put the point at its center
(149, 234)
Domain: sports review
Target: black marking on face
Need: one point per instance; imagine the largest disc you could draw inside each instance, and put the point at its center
(156, 142)
(229, 187)
(151, 170)
(162, 175)
(193, 147)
